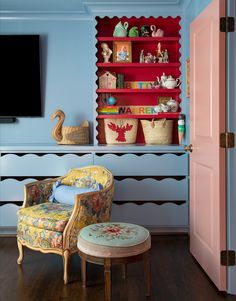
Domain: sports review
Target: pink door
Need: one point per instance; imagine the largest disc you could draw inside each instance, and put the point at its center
(207, 161)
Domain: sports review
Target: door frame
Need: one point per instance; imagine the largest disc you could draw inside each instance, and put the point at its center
(231, 153)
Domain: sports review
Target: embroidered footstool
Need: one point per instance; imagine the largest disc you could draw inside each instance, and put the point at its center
(114, 243)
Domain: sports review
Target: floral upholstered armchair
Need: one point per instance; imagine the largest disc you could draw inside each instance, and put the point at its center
(49, 226)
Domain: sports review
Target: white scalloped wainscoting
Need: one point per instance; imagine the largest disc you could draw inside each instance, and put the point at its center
(151, 188)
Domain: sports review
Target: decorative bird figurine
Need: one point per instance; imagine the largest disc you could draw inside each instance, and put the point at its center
(69, 134)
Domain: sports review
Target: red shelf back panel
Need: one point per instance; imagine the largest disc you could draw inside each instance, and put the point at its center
(160, 115)
(138, 99)
(153, 91)
(143, 74)
(105, 26)
(139, 39)
(138, 65)
(149, 46)
(135, 72)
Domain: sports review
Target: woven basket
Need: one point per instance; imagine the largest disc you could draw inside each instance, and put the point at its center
(157, 132)
(75, 134)
(120, 131)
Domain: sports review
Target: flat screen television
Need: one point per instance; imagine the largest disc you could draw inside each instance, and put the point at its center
(20, 91)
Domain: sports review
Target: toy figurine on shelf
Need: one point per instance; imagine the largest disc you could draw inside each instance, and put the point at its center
(149, 58)
(106, 52)
(166, 56)
(160, 54)
(141, 57)
(181, 128)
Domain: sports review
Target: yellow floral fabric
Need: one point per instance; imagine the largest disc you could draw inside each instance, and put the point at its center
(49, 216)
(42, 224)
(94, 208)
(83, 177)
(39, 238)
(38, 192)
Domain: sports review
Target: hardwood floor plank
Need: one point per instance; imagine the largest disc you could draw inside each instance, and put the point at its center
(176, 276)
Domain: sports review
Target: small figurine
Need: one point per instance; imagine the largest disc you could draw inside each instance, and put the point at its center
(160, 54)
(106, 52)
(165, 56)
(144, 30)
(133, 32)
(141, 57)
(156, 32)
(148, 58)
(181, 128)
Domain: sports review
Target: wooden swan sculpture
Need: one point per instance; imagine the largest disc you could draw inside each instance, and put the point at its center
(69, 134)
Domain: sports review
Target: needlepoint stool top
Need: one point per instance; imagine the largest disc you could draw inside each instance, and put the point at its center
(113, 240)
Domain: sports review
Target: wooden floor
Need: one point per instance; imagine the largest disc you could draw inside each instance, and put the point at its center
(176, 276)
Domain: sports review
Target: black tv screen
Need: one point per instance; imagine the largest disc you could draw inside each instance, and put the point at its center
(20, 93)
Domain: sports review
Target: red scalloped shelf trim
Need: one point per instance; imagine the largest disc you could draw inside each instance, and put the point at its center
(138, 90)
(135, 65)
(160, 115)
(140, 39)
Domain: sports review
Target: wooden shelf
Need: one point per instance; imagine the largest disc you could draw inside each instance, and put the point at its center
(140, 39)
(160, 90)
(150, 116)
(139, 65)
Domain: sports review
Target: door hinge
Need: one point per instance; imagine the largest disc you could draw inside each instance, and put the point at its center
(227, 24)
(227, 140)
(188, 148)
(227, 258)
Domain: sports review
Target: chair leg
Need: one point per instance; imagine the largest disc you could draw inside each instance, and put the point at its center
(21, 253)
(66, 256)
(107, 274)
(84, 272)
(147, 272)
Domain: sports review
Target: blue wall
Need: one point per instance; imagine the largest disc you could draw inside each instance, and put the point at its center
(67, 69)
(192, 8)
(68, 57)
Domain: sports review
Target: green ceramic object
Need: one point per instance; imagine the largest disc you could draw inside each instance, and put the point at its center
(120, 29)
(133, 32)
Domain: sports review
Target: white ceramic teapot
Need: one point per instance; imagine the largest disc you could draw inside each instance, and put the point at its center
(171, 83)
(162, 80)
(173, 104)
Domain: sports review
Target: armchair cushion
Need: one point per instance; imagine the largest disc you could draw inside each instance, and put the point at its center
(48, 216)
(66, 194)
(39, 238)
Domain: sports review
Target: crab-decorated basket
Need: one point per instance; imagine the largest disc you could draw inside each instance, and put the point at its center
(120, 130)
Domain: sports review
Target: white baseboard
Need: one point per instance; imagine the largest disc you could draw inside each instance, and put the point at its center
(154, 230)
(7, 231)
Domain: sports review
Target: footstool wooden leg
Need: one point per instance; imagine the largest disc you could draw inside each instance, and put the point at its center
(84, 272)
(107, 275)
(124, 271)
(147, 272)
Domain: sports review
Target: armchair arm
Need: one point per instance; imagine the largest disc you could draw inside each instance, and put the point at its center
(37, 192)
(89, 208)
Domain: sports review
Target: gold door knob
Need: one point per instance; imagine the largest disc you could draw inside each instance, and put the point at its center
(188, 148)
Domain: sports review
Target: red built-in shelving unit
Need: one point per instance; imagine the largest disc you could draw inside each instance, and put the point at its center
(135, 71)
